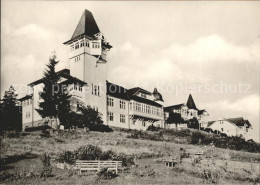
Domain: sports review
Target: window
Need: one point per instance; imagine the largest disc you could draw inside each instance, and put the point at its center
(134, 122)
(122, 104)
(81, 43)
(143, 95)
(77, 58)
(95, 45)
(28, 114)
(149, 109)
(77, 45)
(110, 102)
(122, 118)
(87, 44)
(110, 116)
(139, 106)
(95, 90)
(143, 123)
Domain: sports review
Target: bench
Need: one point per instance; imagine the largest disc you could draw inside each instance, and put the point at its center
(199, 153)
(85, 165)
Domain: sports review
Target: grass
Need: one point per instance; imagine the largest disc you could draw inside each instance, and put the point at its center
(150, 157)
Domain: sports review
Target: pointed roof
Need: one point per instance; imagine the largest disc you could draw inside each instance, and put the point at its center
(157, 95)
(87, 26)
(190, 103)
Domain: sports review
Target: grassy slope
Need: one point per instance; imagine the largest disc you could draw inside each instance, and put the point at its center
(150, 167)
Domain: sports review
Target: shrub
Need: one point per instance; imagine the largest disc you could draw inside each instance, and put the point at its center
(46, 169)
(211, 176)
(45, 133)
(91, 152)
(43, 127)
(66, 157)
(88, 152)
(105, 174)
(153, 128)
(100, 128)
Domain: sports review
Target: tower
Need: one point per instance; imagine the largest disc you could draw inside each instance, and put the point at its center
(87, 58)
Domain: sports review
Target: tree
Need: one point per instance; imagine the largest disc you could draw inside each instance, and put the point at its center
(56, 100)
(89, 116)
(11, 115)
(175, 118)
(193, 123)
(63, 107)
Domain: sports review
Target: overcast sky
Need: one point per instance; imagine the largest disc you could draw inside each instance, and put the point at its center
(178, 47)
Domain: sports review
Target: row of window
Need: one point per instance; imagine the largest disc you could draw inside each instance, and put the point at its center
(110, 102)
(80, 44)
(146, 109)
(111, 117)
(76, 87)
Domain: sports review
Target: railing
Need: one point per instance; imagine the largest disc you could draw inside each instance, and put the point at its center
(85, 165)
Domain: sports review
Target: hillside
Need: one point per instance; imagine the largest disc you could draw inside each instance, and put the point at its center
(21, 164)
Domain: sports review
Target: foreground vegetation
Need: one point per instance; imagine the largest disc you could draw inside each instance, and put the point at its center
(33, 159)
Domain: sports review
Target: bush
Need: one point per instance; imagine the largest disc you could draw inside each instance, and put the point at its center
(153, 128)
(43, 127)
(105, 174)
(100, 128)
(91, 152)
(88, 152)
(45, 133)
(46, 169)
(66, 157)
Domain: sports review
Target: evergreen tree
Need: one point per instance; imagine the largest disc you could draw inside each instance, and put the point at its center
(56, 100)
(63, 106)
(10, 112)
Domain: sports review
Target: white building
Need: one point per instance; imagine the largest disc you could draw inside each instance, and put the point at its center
(133, 108)
(232, 127)
(184, 112)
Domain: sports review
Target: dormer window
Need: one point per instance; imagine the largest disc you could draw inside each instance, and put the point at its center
(95, 45)
(77, 45)
(82, 43)
(143, 95)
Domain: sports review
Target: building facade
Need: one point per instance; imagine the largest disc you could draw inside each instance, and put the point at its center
(87, 82)
(179, 114)
(232, 127)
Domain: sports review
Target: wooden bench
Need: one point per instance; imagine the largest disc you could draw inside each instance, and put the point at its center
(85, 165)
(199, 153)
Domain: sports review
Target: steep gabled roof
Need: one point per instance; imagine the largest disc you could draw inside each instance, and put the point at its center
(134, 90)
(86, 26)
(117, 91)
(190, 103)
(236, 121)
(157, 95)
(123, 93)
(210, 123)
(28, 96)
(65, 73)
(239, 121)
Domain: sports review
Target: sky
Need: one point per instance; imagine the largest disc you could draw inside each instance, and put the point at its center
(208, 49)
